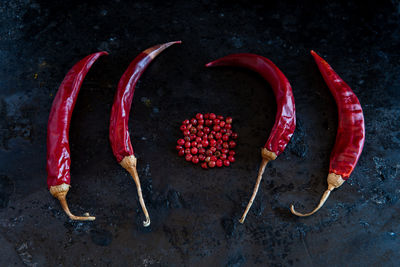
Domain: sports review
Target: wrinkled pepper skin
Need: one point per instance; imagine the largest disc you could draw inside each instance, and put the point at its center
(285, 120)
(119, 131)
(58, 152)
(350, 135)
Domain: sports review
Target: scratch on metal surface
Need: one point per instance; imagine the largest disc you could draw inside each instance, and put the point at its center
(303, 241)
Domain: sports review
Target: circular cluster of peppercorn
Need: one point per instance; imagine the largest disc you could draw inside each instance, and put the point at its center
(208, 139)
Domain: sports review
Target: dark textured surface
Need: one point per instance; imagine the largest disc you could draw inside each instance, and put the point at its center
(194, 212)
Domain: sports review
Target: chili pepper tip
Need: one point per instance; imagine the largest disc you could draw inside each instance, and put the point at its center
(210, 64)
(316, 56)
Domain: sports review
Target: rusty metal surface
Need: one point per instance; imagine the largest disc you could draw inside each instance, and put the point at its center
(195, 212)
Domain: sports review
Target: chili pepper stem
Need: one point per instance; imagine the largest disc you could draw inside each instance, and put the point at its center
(60, 192)
(129, 164)
(267, 156)
(334, 181)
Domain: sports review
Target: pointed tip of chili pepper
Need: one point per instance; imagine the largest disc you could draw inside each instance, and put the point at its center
(172, 43)
(211, 64)
(317, 57)
(223, 61)
(154, 51)
(321, 63)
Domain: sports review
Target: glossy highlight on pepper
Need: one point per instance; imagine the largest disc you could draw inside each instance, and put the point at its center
(350, 134)
(119, 131)
(285, 120)
(58, 152)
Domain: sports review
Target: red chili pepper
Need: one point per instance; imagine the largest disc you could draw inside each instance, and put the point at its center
(58, 153)
(285, 120)
(350, 133)
(119, 133)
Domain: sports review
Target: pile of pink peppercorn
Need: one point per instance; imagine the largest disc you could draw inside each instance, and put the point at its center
(208, 139)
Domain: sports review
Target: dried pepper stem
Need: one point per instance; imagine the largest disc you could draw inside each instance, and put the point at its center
(60, 192)
(334, 181)
(267, 156)
(129, 164)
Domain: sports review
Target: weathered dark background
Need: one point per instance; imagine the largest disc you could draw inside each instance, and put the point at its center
(195, 212)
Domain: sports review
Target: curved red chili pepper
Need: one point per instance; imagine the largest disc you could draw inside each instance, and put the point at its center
(119, 133)
(285, 120)
(58, 153)
(350, 133)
